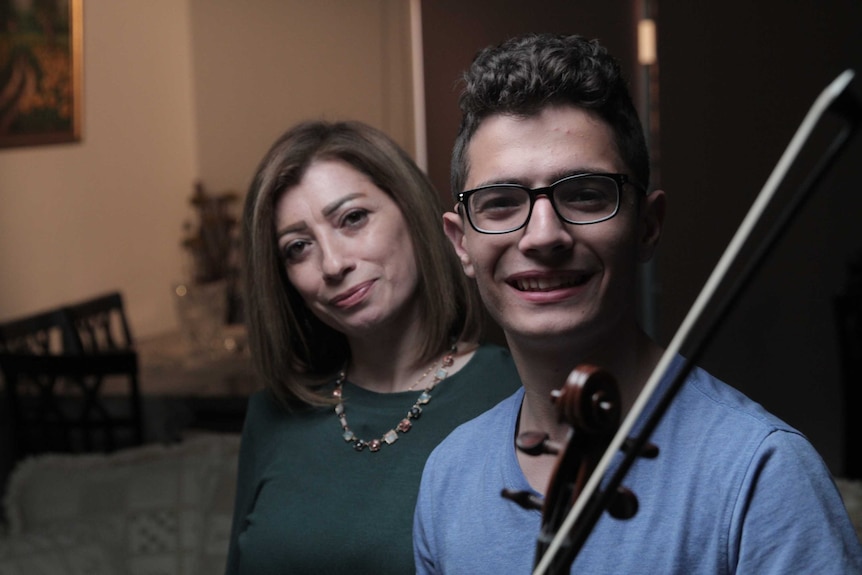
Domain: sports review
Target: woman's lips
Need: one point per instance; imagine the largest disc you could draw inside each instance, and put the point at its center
(352, 296)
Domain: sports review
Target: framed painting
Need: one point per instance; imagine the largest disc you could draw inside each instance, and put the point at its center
(41, 47)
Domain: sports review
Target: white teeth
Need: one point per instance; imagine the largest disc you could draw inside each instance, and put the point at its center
(544, 284)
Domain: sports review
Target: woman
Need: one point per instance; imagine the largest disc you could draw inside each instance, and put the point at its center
(360, 321)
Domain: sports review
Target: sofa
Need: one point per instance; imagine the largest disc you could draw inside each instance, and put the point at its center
(150, 510)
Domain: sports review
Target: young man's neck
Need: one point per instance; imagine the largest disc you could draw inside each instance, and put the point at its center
(630, 361)
(543, 370)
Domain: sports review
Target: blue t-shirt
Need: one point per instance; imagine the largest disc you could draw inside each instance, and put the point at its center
(733, 490)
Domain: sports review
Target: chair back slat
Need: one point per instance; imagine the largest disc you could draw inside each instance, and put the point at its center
(100, 324)
(71, 379)
(41, 334)
(57, 402)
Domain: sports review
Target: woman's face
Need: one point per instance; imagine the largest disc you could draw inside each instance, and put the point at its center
(347, 250)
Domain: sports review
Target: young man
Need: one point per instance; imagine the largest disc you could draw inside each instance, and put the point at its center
(554, 221)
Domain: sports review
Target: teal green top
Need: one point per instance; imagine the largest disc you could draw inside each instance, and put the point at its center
(307, 502)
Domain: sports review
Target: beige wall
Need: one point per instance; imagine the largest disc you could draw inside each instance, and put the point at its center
(263, 65)
(79, 219)
(179, 90)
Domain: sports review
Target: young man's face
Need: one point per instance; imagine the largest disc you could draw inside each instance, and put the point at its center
(551, 279)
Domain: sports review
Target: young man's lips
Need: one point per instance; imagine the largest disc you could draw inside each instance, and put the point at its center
(547, 282)
(351, 296)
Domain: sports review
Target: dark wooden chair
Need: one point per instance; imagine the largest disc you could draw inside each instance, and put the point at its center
(99, 324)
(42, 333)
(57, 402)
(71, 379)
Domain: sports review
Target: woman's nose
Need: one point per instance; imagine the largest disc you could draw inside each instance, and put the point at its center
(545, 230)
(335, 261)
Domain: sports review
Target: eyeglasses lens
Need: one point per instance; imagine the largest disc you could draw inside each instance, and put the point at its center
(585, 200)
(578, 200)
(499, 209)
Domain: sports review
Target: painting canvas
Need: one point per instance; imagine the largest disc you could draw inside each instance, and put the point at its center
(40, 72)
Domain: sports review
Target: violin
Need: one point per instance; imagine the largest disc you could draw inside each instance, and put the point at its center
(589, 402)
(582, 488)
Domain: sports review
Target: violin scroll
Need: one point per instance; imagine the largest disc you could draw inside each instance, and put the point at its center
(589, 402)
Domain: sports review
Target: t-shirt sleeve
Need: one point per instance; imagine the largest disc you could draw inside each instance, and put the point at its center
(423, 532)
(790, 517)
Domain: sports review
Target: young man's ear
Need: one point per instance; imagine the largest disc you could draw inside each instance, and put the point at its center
(650, 225)
(453, 225)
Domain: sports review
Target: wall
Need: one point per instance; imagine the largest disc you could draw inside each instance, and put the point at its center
(175, 91)
(470, 26)
(261, 66)
(736, 80)
(79, 219)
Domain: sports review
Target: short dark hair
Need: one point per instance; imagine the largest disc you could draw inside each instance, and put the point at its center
(524, 75)
(293, 351)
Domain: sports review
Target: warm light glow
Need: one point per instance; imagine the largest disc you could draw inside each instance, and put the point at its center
(646, 42)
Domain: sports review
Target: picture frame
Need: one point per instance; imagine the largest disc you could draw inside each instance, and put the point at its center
(41, 60)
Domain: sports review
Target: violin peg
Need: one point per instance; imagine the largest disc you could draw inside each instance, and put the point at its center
(536, 443)
(624, 505)
(648, 451)
(523, 498)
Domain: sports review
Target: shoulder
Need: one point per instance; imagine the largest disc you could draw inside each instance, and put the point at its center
(711, 421)
(263, 406)
(268, 420)
(479, 437)
(494, 366)
(759, 454)
(488, 377)
(727, 408)
(261, 416)
(491, 356)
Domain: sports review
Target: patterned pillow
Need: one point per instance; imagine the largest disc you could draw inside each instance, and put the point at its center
(77, 552)
(148, 504)
(218, 515)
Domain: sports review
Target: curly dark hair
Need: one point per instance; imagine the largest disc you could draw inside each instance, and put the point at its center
(525, 74)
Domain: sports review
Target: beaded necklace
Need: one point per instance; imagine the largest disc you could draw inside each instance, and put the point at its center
(405, 424)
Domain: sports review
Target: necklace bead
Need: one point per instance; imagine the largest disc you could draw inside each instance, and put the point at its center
(405, 424)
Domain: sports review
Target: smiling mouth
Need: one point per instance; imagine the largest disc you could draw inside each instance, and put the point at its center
(548, 283)
(350, 297)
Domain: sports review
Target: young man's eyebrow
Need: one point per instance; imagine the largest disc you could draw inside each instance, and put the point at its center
(554, 177)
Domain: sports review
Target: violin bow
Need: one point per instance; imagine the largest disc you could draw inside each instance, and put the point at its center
(591, 502)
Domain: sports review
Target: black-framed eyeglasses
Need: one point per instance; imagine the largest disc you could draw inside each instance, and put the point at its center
(580, 199)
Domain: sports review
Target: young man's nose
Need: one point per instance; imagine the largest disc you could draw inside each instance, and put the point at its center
(545, 230)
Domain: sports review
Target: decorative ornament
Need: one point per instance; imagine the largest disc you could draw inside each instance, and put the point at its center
(405, 424)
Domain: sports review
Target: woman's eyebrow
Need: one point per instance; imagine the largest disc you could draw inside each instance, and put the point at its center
(327, 210)
(332, 207)
(297, 227)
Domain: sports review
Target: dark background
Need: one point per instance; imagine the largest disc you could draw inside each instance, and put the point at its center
(734, 81)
